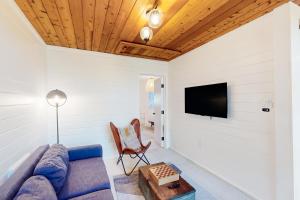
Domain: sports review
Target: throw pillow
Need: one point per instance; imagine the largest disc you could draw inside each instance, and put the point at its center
(129, 138)
(59, 150)
(54, 169)
(37, 188)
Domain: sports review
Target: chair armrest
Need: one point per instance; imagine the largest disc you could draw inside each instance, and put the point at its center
(85, 152)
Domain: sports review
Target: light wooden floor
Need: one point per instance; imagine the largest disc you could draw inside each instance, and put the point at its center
(208, 186)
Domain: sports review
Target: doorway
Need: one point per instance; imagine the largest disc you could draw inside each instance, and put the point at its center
(152, 109)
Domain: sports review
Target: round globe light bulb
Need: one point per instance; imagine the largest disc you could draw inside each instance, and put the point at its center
(155, 18)
(146, 34)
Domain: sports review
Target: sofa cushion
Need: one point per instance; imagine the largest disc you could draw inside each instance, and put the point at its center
(54, 169)
(37, 188)
(58, 150)
(99, 195)
(11, 186)
(85, 152)
(85, 176)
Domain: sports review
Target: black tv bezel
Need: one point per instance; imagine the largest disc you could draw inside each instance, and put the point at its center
(218, 116)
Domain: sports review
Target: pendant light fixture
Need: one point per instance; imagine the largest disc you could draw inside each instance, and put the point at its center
(155, 18)
(146, 33)
(154, 21)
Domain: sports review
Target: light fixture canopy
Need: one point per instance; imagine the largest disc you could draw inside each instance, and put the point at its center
(56, 98)
(146, 33)
(155, 18)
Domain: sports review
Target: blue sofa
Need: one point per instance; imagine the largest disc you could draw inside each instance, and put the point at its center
(86, 179)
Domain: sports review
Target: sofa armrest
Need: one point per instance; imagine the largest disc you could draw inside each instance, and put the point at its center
(85, 152)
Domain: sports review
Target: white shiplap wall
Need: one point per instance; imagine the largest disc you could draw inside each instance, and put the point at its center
(239, 149)
(22, 84)
(100, 88)
(295, 51)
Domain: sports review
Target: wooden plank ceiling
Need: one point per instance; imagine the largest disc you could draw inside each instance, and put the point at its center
(113, 26)
(297, 2)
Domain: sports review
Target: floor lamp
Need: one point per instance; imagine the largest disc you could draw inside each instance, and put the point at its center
(56, 98)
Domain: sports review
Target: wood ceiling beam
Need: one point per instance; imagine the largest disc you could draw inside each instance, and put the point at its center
(129, 48)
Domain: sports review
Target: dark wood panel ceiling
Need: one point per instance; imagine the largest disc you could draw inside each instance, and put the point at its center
(113, 26)
(297, 2)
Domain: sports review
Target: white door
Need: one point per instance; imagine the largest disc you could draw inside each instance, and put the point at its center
(158, 132)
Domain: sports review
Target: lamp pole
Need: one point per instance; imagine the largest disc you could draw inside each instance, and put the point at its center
(57, 129)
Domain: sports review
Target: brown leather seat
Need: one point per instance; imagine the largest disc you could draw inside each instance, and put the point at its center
(133, 153)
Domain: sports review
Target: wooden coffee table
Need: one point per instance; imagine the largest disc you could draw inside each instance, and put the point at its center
(152, 191)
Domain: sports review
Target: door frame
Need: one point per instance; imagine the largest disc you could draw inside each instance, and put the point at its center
(163, 106)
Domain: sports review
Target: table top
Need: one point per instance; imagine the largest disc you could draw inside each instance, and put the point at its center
(163, 192)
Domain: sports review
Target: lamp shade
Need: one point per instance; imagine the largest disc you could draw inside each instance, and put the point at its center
(56, 98)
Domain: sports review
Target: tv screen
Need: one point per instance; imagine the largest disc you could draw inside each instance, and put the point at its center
(207, 100)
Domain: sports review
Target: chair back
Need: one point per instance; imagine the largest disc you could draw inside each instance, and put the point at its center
(116, 136)
(137, 127)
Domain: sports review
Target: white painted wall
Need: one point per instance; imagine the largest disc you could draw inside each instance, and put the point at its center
(100, 88)
(283, 104)
(295, 52)
(143, 99)
(144, 109)
(240, 149)
(22, 84)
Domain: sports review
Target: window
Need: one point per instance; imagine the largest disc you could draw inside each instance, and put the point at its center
(151, 99)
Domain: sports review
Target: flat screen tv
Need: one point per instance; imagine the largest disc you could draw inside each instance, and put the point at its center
(207, 100)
